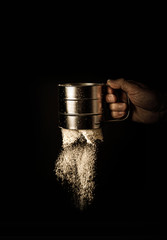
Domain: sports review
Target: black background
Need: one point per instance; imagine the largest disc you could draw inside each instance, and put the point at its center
(130, 198)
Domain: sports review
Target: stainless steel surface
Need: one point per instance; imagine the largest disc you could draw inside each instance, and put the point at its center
(80, 122)
(81, 106)
(80, 90)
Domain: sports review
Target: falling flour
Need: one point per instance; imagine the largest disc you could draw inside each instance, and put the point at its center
(76, 163)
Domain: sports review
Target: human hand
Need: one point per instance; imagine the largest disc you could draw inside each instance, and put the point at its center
(147, 105)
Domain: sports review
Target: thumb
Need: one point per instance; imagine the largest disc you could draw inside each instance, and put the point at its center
(120, 83)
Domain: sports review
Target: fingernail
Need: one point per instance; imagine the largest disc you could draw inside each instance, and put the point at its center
(109, 98)
(121, 114)
(108, 81)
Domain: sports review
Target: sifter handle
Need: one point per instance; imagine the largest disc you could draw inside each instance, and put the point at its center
(117, 93)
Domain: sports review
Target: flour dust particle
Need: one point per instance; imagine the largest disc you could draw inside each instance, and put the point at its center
(76, 163)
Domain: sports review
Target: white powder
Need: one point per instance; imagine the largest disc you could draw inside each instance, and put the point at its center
(76, 163)
(91, 135)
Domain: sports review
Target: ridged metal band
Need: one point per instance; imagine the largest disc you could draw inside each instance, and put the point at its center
(80, 121)
(82, 106)
(77, 91)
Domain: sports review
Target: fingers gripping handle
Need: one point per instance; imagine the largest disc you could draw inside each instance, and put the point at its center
(119, 93)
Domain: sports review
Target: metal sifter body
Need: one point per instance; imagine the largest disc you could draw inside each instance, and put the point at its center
(81, 105)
